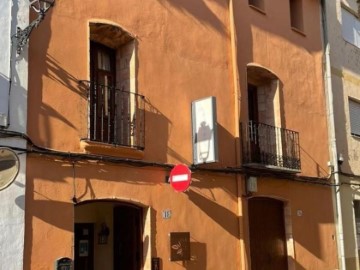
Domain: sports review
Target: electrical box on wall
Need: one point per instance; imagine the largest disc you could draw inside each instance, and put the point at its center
(251, 184)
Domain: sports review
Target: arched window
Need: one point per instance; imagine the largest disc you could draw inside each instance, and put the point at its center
(265, 142)
(116, 110)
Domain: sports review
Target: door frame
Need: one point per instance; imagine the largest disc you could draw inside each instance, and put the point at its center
(145, 222)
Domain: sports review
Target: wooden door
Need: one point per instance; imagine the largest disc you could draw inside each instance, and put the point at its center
(253, 103)
(127, 238)
(102, 92)
(253, 123)
(267, 234)
(84, 246)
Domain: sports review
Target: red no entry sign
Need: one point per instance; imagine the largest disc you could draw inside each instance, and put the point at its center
(180, 177)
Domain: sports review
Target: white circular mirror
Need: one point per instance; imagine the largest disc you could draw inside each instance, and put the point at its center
(9, 167)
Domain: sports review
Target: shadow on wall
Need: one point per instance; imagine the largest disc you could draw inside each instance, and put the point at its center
(41, 65)
(308, 162)
(4, 86)
(42, 208)
(157, 128)
(58, 74)
(199, 11)
(198, 257)
(38, 46)
(222, 216)
(297, 265)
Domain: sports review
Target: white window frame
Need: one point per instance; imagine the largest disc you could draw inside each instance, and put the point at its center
(350, 27)
(354, 117)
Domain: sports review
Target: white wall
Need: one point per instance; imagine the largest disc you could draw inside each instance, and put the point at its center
(5, 12)
(13, 13)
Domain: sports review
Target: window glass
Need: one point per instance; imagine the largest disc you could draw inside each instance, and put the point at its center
(103, 61)
(354, 111)
(350, 28)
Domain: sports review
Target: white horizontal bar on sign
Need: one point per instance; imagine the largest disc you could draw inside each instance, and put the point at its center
(180, 178)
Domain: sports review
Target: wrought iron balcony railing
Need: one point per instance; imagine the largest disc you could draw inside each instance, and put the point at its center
(116, 116)
(271, 147)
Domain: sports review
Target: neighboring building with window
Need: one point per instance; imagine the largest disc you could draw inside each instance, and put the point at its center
(111, 85)
(343, 59)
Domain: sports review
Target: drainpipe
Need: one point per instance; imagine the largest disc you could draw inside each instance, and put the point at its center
(238, 177)
(336, 187)
(333, 148)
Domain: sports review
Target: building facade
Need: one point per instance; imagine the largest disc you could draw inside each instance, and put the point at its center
(342, 21)
(109, 114)
(279, 61)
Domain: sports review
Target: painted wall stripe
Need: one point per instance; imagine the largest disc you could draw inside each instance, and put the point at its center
(180, 178)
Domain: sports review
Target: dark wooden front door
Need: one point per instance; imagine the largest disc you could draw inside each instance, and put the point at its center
(127, 238)
(267, 234)
(84, 246)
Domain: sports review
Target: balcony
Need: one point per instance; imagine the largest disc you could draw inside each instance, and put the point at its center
(265, 146)
(116, 117)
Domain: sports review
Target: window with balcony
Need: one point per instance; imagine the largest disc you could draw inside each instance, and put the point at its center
(116, 110)
(354, 112)
(296, 15)
(265, 143)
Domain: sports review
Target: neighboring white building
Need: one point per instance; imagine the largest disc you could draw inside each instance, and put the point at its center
(13, 110)
(343, 32)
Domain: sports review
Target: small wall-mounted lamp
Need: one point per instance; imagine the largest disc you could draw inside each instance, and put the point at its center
(103, 234)
(251, 185)
(340, 159)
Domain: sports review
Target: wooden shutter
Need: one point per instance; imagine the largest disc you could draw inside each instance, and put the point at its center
(354, 111)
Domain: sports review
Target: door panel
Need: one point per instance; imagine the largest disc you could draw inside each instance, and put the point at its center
(127, 238)
(102, 95)
(84, 246)
(267, 234)
(253, 123)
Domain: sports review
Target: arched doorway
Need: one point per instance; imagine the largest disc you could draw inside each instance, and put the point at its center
(108, 236)
(267, 234)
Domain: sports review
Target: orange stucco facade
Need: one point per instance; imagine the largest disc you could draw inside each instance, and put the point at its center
(185, 51)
